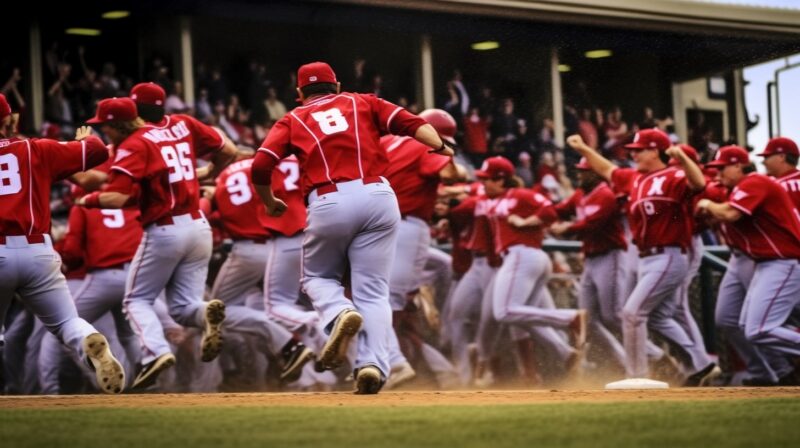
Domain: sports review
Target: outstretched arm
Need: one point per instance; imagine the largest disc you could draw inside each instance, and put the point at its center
(599, 164)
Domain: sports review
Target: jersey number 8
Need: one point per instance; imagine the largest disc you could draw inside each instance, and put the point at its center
(10, 182)
(331, 121)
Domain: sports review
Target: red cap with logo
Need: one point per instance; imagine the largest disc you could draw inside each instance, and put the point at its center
(729, 155)
(495, 168)
(650, 139)
(5, 108)
(689, 151)
(314, 73)
(780, 145)
(443, 122)
(148, 93)
(583, 165)
(114, 109)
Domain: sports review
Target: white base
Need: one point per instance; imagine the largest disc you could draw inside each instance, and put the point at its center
(637, 383)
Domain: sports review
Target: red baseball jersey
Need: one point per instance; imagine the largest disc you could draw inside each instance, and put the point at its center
(28, 168)
(413, 172)
(598, 222)
(241, 211)
(714, 191)
(791, 183)
(521, 202)
(658, 206)
(104, 237)
(335, 138)
(770, 227)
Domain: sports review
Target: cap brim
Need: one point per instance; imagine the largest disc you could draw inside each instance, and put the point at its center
(765, 154)
(634, 146)
(94, 120)
(480, 174)
(716, 164)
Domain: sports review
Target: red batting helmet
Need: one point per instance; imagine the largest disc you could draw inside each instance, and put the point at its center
(443, 122)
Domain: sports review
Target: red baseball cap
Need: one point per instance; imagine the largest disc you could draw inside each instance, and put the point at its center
(728, 155)
(689, 151)
(315, 72)
(5, 108)
(114, 109)
(443, 122)
(650, 139)
(495, 168)
(583, 165)
(148, 93)
(780, 145)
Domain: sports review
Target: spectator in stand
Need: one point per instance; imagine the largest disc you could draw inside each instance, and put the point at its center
(217, 87)
(476, 135)
(256, 88)
(546, 137)
(220, 119)
(59, 109)
(648, 120)
(525, 143)
(487, 103)
(233, 107)
(504, 125)
(174, 103)
(587, 129)
(616, 132)
(289, 96)
(261, 130)
(524, 169)
(274, 107)
(403, 102)
(459, 101)
(203, 108)
(11, 90)
(244, 128)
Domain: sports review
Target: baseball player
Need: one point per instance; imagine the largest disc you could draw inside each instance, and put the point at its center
(254, 252)
(780, 160)
(761, 213)
(660, 223)
(598, 225)
(352, 211)
(520, 297)
(154, 165)
(29, 266)
(415, 173)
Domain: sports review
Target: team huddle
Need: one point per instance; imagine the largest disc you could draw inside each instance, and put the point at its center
(331, 263)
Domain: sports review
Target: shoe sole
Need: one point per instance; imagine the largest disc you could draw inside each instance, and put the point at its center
(399, 378)
(108, 371)
(211, 344)
(368, 382)
(292, 373)
(334, 352)
(162, 363)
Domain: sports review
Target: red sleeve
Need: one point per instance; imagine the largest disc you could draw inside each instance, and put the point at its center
(263, 165)
(206, 138)
(566, 209)
(67, 158)
(131, 159)
(465, 209)
(748, 195)
(119, 182)
(72, 249)
(622, 179)
(431, 164)
(597, 213)
(391, 118)
(547, 214)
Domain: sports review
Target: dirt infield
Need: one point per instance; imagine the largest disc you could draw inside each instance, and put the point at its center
(392, 399)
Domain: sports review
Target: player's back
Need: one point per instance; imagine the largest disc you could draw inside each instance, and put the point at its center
(28, 168)
(338, 137)
(242, 213)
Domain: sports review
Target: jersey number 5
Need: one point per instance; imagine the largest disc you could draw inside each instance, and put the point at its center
(114, 219)
(10, 182)
(331, 121)
(179, 161)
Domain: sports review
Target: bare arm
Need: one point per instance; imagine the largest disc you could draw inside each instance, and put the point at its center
(220, 160)
(275, 206)
(106, 199)
(89, 180)
(599, 164)
(719, 211)
(428, 136)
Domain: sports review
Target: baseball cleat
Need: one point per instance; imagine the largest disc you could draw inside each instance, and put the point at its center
(293, 361)
(578, 328)
(149, 373)
(108, 371)
(334, 352)
(400, 375)
(368, 381)
(703, 377)
(211, 343)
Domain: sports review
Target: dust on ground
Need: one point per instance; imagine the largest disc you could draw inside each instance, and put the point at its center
(391, 399)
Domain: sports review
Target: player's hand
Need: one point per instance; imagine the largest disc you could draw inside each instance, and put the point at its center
(81, 201)
(702, 207)
(445, 150)
(276, 207)
(82, 133)
(560, 228)
(516, 221)
(203, 172)
(575, 142)
(208, 192)
(674, 152)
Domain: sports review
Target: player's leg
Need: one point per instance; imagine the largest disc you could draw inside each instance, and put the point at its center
(683, 313)
(465, 311)
(773, 294)
(522, 276)
(600, 285)
(411, 253)
(243, 268)
(283, 269)
(371, 254)
(438, 273)
(659, 277)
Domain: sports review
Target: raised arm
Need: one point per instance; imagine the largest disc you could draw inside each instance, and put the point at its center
(599, 164)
